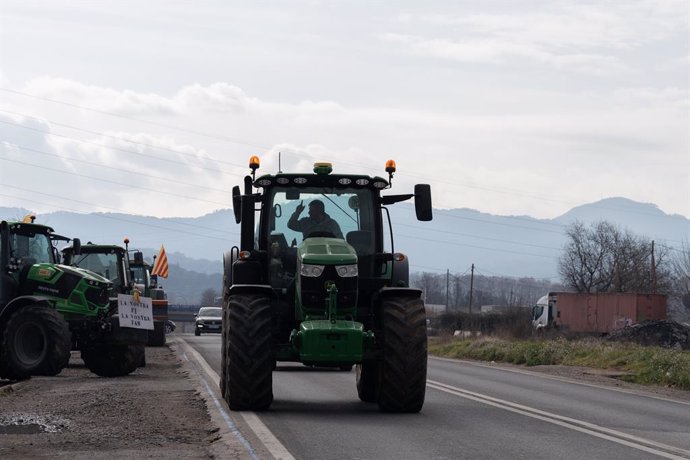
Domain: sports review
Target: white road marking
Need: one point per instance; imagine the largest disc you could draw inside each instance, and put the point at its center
(269, 440)
(562, 379)
(567, 422)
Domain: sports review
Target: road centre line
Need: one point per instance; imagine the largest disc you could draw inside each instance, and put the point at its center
(567, 422)
(262, 432)
(561, 379)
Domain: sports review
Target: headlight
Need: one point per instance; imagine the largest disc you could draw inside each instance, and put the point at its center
(311, 271)
(346, 271)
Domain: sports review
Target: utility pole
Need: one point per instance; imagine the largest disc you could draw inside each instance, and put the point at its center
(653, 271)
(447, 288)
(471, 286)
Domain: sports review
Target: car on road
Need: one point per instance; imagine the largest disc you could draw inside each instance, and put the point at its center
(208, 319)
(170, 326)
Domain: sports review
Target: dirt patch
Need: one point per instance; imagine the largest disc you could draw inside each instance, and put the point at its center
(608, 378)
(156, 412)
(667, 334)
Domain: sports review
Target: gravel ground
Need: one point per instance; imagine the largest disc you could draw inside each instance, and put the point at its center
(155, 412)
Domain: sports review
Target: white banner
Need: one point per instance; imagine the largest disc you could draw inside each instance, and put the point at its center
(137, 315)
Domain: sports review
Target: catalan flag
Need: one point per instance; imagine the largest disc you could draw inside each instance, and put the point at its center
(160, 267)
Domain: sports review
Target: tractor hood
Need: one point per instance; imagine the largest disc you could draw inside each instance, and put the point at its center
(50, 273)
(75, 290)
(88, 275)
(326, 251)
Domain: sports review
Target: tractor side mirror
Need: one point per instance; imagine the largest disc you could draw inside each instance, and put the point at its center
(422, 202)
(237, 203)
(76, 246)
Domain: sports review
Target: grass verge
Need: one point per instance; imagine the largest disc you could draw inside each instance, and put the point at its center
(646, 365)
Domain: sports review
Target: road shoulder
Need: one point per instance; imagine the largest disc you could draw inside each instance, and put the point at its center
(157, 411)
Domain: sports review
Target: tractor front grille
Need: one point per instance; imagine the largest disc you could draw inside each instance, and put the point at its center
(314, 290)
(97, 296)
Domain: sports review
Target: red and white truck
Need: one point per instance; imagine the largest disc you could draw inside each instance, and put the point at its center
(596, 313)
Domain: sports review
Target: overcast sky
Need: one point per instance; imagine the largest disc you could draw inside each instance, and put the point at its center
(513, 108)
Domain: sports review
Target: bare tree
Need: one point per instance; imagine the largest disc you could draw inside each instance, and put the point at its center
(583, 265)
(208, 296)
(680, 267)
(604, 258)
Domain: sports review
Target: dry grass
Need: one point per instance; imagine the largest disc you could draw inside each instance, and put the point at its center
(647, 365)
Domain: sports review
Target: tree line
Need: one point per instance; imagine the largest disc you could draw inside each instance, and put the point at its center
(455, 290)
(596, 258)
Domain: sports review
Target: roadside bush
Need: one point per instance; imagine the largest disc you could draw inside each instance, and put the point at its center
(647, 365)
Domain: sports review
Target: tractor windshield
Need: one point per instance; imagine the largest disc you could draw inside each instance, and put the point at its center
(31, 247)
(301, 213)
(107, 265)
(141, 275)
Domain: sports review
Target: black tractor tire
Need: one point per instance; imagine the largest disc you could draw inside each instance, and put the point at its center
(250, 360)
(368, 381)
(222, 384)
(109, 360)
(140, 351)
(403, 365)
(35, 341)
(157, 335)
(197, 332)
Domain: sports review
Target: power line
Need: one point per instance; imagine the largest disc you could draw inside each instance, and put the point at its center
(102, 134)
(133, 152)
(104, 216)
(478, 237)
(112, 182)
(128, 171)
(416, 237)
(140, 120)
(169, 220)
(474, 219)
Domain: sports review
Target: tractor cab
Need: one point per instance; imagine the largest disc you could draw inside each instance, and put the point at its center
(25, 247)
(109, 261)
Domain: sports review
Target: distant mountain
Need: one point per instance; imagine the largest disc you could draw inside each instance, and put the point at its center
(455, 239)
(641, 218)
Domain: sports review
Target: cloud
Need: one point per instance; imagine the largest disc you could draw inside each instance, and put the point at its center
(499, 52)
(587, 38)
(122, 102)
(114, 171)
(654, 97)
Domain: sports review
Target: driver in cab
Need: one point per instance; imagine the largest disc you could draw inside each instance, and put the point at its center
(317, 221)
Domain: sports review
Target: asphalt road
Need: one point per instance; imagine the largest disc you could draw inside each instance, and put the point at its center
(471, 411)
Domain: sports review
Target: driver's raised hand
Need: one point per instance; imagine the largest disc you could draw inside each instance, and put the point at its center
(300, 208)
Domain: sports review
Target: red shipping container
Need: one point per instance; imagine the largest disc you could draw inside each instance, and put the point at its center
(604, 313)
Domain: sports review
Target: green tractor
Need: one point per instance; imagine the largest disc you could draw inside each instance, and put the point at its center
(111, 262)
(148, 285)
(44, 306)
(323, 290)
